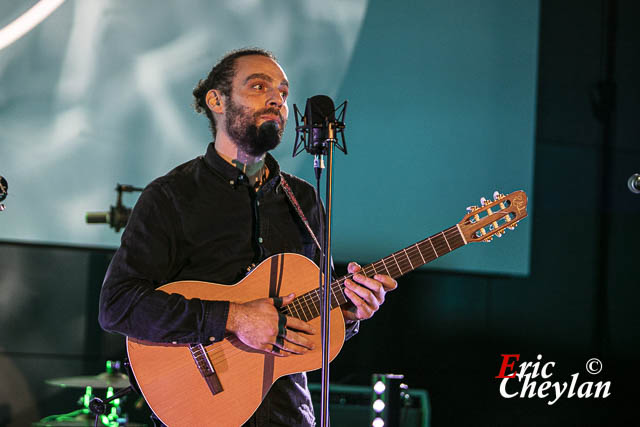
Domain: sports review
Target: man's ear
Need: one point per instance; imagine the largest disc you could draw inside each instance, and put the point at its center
(215, 101)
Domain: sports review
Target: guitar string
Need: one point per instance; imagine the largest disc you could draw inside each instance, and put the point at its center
(404, 264)
(216, 353)
(310, 299)
(213, 351)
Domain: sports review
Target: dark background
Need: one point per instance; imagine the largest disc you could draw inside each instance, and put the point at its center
(444, 331)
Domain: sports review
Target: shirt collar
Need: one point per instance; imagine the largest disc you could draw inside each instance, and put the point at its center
(229, 172)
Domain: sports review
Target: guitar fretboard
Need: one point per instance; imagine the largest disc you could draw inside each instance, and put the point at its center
(308, 306)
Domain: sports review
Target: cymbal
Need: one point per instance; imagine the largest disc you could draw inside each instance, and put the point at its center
(103, 380)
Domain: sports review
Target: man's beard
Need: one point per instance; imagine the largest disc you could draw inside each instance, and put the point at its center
(253, 140)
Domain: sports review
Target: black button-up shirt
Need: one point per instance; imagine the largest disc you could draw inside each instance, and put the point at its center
(203, 221)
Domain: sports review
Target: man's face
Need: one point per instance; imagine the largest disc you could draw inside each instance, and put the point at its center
(257, 111)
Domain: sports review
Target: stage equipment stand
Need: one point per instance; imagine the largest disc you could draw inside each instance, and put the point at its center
(319, 133)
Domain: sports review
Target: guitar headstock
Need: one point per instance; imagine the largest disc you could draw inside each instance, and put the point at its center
(493, 217)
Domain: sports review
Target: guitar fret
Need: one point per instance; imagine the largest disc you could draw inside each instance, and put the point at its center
(313, 304)
(396, 261)
(340, 292)
(456, 237)
(321, 300)
(408, 258)
(439, 244)
(445, 240)
(414, 259)
(333, 295)
(429, 250)
(433, 247)
(417, 248)
(307, 309)
(297, 311)
(293, 310)
(385, 267)
(364, 271)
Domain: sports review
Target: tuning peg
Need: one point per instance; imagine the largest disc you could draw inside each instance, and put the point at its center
(513, 227)
(488, 239)
(497, 195)
(483, 201)
(472, 208)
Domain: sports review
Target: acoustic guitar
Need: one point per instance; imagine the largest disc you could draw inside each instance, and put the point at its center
(223, 383)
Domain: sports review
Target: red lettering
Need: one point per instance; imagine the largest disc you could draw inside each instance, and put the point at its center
(506, 364)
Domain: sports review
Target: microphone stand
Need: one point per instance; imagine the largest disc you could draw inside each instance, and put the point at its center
(326, 287)
(319, 149)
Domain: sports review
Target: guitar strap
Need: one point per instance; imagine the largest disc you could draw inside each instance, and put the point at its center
(296, 206)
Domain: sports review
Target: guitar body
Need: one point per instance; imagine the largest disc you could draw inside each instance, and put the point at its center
(168, 374)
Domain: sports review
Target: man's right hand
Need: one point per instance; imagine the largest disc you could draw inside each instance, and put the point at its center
(259, 325)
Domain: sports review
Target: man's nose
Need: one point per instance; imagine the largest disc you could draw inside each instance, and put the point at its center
(275, 99)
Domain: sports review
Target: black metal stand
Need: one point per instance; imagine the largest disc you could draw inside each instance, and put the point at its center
(99, 407)
(318, 135)
(326, 291)
(118, 215)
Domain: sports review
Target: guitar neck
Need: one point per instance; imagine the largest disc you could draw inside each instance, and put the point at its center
(307, 306)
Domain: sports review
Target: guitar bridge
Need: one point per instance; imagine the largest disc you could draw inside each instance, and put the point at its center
(205, 367)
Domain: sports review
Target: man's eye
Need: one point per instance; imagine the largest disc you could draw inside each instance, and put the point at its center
(258, 86)
(284, 94)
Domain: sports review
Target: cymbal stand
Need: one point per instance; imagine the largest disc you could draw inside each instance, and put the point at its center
(99, 407)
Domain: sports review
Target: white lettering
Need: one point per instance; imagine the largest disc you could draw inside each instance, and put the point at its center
(553, 391)
(585, 393)
(574, 379)
(544, 369)
(536, 366)
(559, 392)
(523, 369)
(543, 387)
(600, 386)
(530, 386)
(503, 389)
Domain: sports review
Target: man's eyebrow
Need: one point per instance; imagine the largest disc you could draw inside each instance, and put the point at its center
(264, 77)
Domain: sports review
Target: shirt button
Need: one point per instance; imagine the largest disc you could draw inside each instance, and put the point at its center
(231, 182)
(212, 339)
(260, 239)
(258, 203)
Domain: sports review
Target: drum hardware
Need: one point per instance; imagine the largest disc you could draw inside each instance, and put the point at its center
(107, 411)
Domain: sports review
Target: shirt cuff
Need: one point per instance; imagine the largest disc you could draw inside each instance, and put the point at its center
(215, 321)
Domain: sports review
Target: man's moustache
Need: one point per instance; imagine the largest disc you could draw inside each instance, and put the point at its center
(273, 111)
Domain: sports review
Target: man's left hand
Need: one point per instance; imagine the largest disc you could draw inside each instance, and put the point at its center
(365, 293)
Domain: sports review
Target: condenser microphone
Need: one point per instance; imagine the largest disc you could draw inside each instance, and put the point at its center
(321, 114)
(633, 183)
(4, 190)
(321, 125)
